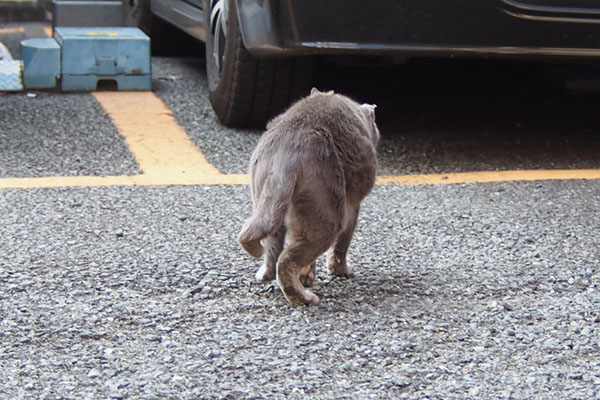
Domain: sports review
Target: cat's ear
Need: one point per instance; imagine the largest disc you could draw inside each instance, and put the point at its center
(369, 110)
(317, 91)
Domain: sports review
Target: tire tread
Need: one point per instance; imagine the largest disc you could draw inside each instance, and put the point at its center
(260, 88)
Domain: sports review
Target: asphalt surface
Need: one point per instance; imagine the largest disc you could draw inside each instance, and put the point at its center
(461, 291)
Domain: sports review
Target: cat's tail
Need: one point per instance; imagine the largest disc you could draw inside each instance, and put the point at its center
(269, 213)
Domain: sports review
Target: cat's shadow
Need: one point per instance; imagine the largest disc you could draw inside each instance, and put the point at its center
(358, 290)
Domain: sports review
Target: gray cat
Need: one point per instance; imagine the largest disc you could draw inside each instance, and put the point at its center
(309, 173)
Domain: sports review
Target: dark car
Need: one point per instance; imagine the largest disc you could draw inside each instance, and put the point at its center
(259, 53)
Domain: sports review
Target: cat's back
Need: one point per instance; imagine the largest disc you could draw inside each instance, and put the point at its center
(306, 126)
(324, 131)
(322, 119)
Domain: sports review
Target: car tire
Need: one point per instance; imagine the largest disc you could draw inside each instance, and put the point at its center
(246, 91)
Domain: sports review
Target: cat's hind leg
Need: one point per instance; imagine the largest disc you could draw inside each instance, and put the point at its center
(296, 263)
(289, 269)
(273, 245)
(336, 256)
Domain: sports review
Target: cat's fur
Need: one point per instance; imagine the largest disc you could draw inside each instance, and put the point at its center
(309, 173)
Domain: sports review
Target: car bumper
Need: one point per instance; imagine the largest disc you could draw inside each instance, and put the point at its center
(395, 27)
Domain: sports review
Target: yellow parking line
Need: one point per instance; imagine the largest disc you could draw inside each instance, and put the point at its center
(67, 181)
(121, 180)
(12, 30)
(243, 179)
(491, 176)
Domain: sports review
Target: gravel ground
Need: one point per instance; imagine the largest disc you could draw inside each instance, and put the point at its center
(51, 134)
(466, 291)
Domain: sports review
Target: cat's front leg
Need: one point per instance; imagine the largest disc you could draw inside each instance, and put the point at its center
(264, 274)
(337, 264)
(336, 256)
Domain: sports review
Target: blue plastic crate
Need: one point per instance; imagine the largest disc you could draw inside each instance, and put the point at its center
(90, 55)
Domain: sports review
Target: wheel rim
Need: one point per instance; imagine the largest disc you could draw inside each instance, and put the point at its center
(218, 28)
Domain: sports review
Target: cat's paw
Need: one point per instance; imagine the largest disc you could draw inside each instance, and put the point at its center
(293, 290)
(310, 298)
(265, 274)
(308, 275)
(338, 266)
(304, 298)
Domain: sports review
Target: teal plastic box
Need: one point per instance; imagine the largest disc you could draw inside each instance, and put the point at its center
(94, 54)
